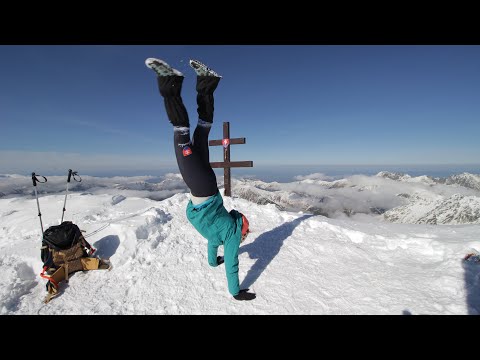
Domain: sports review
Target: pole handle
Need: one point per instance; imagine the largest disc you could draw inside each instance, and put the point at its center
(35, 179)
(75, 175)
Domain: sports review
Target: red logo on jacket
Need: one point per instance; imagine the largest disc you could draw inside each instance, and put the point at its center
(187, 151)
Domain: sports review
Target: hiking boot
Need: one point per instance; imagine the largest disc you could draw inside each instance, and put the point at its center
(161, 68)
(202, 69)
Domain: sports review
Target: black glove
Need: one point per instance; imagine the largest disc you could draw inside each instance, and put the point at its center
(245, 295)
(220, 260)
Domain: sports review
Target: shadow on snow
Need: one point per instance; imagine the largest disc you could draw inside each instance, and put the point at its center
(266, 247)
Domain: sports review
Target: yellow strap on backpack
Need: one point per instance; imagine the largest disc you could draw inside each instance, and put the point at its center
(90, 263)
(61, 274)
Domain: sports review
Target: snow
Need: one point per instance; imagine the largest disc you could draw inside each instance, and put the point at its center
(295, 261)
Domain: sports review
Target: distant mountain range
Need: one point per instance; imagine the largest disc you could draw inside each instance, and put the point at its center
(426, 200)
(457, 209)
(467, 180)
(388, 196)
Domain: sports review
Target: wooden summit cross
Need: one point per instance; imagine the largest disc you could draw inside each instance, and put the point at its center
(227, 164)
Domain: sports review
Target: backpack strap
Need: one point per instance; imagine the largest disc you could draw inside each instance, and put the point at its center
(85, 244)
(61, 273)
(49, 257)
(90, 263)
(53, 281)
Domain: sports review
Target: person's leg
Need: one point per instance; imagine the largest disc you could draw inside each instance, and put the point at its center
(170, 88)
(199, 178)
(206, 86)
(200, 141)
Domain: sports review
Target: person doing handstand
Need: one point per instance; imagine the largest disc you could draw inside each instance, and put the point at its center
(205, 209)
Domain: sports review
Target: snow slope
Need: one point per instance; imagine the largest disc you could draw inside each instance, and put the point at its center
(296, 263)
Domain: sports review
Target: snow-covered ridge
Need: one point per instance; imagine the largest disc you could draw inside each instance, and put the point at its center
(399, 197)
(296, 263)
(457, 209)
(156, 188)
(471, 181)
(393, 197)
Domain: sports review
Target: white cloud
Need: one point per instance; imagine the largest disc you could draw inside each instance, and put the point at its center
(315, 176)
(358, 194)
(155, 188)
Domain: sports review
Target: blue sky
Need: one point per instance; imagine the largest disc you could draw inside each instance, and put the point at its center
(98, 107)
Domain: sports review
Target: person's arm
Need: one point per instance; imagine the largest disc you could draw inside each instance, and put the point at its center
(231, 264)
(212, 254)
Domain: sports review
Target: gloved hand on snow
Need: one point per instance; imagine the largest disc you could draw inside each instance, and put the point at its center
(245, 295)
(220, 260)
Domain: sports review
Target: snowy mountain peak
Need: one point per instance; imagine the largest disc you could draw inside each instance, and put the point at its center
(467, 180)
(393, 175)
(457, 209)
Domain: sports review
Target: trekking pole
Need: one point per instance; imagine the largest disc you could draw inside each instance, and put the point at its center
(70, 173)
(35, 180)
